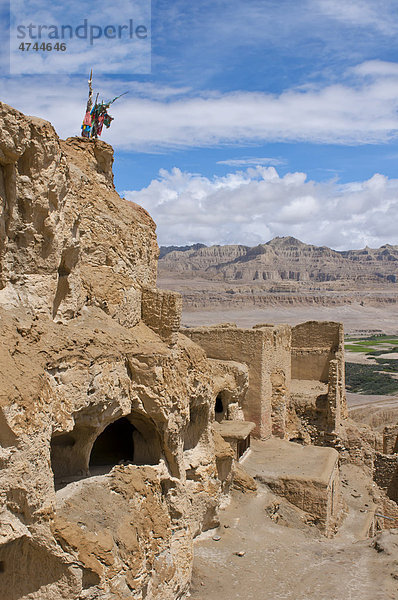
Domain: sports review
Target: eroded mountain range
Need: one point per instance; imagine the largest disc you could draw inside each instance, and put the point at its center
(285, 260)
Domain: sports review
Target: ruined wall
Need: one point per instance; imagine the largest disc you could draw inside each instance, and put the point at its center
(385, 474)
(335, 402)
(230, 381)
(318, 402)
(306, 476)
(161, 311)
(277, 367)
(314, 345)
(334, 503)
(266, 352)
(322, 501)
(390, 439)
(231, 343)
(296, 376)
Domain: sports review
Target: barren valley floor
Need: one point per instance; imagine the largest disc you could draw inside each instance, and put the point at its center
(356, 318)
(288, 563)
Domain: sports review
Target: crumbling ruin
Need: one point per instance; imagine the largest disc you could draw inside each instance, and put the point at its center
(120, 433)
(296, 376)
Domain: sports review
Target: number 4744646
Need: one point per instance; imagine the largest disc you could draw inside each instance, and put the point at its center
(43, 47)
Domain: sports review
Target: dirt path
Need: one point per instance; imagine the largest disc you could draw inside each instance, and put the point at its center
(363, 400)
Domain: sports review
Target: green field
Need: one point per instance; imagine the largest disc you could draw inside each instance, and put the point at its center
(372, 345)
(367, 379)
(372, 378)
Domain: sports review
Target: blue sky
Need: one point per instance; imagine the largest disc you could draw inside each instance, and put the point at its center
(259, 118)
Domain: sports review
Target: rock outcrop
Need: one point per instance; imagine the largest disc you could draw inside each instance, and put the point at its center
(67, 238)
(109, 466)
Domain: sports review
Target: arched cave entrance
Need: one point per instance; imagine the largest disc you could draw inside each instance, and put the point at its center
(86, 451)
(114, 445)
(133, 439)
(220, 407)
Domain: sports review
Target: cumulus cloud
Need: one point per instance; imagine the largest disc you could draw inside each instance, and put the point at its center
(333, 114)
(254, 205)
(376, 68)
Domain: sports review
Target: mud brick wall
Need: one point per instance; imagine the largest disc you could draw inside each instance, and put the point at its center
(390, 439)
(385, 474)
(314, 345)
(266, 352)
(161, 311)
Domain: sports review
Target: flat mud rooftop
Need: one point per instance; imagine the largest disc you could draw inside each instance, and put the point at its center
(278, 458)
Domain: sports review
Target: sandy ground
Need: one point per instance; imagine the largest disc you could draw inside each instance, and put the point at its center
(359, 358)
(359, 400)
(291, 563)
(356, 319)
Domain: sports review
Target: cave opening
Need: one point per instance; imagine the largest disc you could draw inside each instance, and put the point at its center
(114, 445)
(297, 440)
(220, 408)
(87, 451)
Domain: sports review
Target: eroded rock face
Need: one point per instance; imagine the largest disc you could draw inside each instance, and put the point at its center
(110, 460)
(66, 237)
(109, 466)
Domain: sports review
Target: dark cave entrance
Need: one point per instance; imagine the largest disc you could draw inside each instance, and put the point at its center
(85, 451)
(220, 408)
(114, 445)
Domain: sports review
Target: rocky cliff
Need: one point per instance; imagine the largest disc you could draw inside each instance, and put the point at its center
(109, 464)
(66, 237)
(110, 460)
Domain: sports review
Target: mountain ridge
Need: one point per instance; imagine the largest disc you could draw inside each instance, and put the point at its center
(284, 259)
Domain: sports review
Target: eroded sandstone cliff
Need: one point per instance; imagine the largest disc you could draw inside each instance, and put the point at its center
(91, 356)
(111, 460)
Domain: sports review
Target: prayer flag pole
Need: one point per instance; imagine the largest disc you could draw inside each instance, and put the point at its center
(96, 115)
(90, 93)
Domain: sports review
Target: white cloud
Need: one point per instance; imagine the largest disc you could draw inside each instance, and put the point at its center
(376, 68)
(251, 161)
(149, 119)
(378, 15)
(334, 114)
(254, 205)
